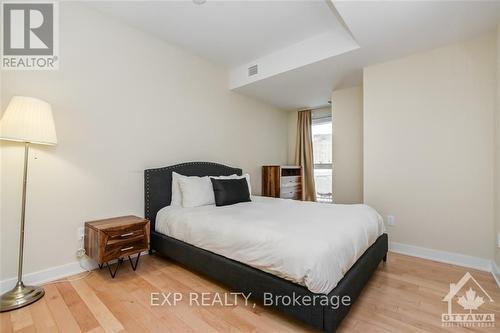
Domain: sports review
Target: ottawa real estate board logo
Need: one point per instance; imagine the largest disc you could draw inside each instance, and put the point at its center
(465, 298)
(30, 35)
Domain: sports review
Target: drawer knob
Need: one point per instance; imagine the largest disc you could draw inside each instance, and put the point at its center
(127, 234)
(127, 248)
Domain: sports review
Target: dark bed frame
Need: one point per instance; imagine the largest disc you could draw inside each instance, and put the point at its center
(241, 277)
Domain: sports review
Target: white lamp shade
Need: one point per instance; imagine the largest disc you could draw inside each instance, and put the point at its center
(28, 119)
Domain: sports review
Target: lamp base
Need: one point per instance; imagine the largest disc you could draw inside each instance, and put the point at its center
(20, 296)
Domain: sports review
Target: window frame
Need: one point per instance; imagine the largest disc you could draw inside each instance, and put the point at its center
(323, 166)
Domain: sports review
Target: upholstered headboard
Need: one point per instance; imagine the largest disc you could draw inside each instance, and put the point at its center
(158, 183)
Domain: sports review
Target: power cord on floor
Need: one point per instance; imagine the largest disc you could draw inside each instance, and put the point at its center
(82, 256)
(71, 280)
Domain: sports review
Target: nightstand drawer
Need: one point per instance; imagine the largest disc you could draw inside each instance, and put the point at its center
(119, 241)
(123, 249)
(125, 233)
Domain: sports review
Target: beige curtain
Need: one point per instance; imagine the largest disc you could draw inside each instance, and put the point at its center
(304, 154)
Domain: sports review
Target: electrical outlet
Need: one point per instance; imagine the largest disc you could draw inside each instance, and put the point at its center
(80, 233)
(80, 253)
(391, 220)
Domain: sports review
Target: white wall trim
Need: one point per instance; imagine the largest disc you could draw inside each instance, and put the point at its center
(442, 256)
(495, 270)
(43, 276)
(54, 273)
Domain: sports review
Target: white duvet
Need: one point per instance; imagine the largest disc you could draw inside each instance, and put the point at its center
(311, 244)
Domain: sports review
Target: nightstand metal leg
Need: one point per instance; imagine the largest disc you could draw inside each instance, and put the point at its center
(116, 268)
(100, 265)
(136, 261)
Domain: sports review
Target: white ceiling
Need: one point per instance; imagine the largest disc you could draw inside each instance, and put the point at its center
(384, 31)
(229, 33)
(234, 33)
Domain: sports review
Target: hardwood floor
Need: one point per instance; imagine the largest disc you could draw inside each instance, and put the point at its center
(404, 295)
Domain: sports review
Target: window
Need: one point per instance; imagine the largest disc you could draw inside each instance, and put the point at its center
(322, 150)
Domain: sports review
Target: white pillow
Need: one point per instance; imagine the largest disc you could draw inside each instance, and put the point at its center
(176, 199)
(176, 191)
(246, 175)
(196, 191)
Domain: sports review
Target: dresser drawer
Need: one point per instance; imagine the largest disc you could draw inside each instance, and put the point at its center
(290, 181)
(290, 192)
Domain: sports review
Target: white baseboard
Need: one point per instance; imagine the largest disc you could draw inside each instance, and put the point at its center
(442, 256)
(51, 274)
(43, 276)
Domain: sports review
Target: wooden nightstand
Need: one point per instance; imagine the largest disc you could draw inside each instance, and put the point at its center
(116, 238)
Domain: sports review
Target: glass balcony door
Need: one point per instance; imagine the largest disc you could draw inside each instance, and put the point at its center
(322, 151)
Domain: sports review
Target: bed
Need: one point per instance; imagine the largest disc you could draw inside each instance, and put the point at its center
(250, 277)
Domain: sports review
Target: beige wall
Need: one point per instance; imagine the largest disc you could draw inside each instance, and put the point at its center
(347, 105)
(497, 152)
(428, 146)
(123, 101)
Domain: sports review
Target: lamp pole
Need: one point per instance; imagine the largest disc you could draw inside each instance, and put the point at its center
(23, 214)
(21, 295)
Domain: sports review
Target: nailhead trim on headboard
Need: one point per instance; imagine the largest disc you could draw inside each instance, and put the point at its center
(148, 172)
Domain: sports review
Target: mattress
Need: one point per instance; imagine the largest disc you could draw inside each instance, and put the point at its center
(312, 244)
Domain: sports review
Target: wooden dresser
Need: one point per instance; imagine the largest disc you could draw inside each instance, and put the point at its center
(116, 238)
(282, 181)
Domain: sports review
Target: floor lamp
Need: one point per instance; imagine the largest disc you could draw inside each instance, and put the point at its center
(27, 120)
